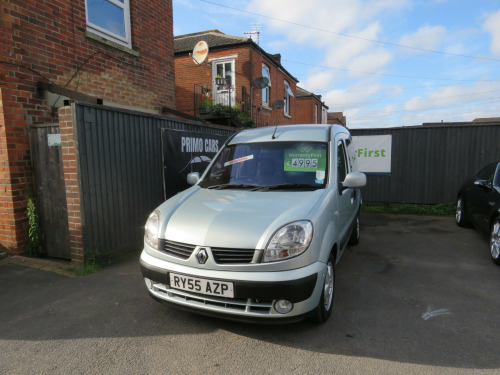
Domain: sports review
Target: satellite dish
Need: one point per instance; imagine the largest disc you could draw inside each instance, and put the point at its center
(278, 104)
(261, 82)
(200, 52)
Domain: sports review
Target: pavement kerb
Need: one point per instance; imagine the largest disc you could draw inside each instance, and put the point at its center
(42, 264)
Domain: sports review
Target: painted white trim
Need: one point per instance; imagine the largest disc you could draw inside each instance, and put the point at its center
(218, 59)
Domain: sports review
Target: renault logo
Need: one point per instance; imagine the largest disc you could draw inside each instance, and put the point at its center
(202, 256)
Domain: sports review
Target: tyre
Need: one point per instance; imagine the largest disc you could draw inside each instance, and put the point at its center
(495, 241)
(355, 234)
(460, 217)
(324, 308)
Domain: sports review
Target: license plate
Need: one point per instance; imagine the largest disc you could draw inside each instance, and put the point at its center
(202, 286)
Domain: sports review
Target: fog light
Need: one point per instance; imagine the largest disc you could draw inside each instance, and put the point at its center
(283, 306)
(149, 283)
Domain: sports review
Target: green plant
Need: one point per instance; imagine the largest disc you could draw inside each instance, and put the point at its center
(411, 209)
(34, 233)
(207, 100)
(220, 109)
(91, 264)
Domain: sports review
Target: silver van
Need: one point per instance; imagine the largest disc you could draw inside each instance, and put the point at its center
(258, 235)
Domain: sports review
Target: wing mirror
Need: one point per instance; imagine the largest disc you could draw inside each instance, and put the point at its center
(193, 178)
(483, 184)
(354, 180)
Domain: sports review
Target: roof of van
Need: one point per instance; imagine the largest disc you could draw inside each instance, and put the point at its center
(307, 132)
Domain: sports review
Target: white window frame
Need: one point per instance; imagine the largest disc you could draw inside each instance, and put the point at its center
(108, 34)
(266, 101)
(315, 113)
(220, 95)
(286, 98)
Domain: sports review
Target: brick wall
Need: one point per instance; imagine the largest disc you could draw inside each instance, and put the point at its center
(15, 171)
(277, 90)
(47, 41)
(71, 183)
(248, 66)
(305, 110)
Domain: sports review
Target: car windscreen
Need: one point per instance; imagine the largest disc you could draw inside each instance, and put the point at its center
(269, 166)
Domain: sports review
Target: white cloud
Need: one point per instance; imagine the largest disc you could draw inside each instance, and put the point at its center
(351, 98)
(370, 62)
(319, 81)
(316, 34)
(454, 96)
(323, 20)
(427, 37)
(492, 25)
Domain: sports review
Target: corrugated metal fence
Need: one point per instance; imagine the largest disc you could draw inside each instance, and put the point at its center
(120, 166)
(430, 163)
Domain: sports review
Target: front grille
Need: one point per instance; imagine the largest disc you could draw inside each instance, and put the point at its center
(176, 249)
(221, 255)
(232, 256)
(249, 306)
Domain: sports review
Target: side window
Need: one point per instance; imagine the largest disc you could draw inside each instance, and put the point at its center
(341, 162)
(110, 19)
(497, 177)
(487, 173)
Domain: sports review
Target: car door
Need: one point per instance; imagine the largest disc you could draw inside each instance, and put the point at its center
(346, 197)
(481, 196)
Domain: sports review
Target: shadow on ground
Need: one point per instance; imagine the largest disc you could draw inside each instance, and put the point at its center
(415, 290)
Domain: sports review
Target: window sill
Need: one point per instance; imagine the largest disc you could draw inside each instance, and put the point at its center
(266, 107)
(109, 43)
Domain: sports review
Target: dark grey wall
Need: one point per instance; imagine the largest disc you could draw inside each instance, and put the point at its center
(120, 169)
(430, 163)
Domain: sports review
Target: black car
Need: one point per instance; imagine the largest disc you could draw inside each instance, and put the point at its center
(478, 204)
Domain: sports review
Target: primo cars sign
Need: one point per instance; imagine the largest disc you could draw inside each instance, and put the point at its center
(184, 152)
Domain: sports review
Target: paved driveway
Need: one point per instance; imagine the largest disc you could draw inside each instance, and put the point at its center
(417, 295)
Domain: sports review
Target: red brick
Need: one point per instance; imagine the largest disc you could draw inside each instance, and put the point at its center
(48, 38)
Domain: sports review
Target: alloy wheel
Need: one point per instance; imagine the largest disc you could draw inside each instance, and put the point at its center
(328, 286)
(495, 241)
(459, 212)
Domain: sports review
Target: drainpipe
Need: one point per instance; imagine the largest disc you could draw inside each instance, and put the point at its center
(251, 83)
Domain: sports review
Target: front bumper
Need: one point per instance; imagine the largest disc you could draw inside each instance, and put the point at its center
(254, 292)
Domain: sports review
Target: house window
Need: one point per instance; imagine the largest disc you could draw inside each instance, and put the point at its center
(266, 91)
(315, 113)
(224, 93)
(288, 93)
(110, 19)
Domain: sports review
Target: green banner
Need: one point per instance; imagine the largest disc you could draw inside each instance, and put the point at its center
(305, 157)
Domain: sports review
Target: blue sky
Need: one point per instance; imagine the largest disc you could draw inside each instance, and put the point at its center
(383, 63)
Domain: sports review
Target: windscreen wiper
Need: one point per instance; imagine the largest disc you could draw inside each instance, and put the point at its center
(288, 187)
(232, 186)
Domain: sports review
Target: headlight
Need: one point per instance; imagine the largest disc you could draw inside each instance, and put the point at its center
(289, 241)
(152, 227)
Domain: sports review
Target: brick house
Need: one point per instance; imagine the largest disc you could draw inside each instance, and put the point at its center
(310, 108)
(336, 118)
(104, 52)
(237, 62)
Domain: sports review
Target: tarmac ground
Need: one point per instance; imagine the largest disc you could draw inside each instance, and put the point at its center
(418, 295)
